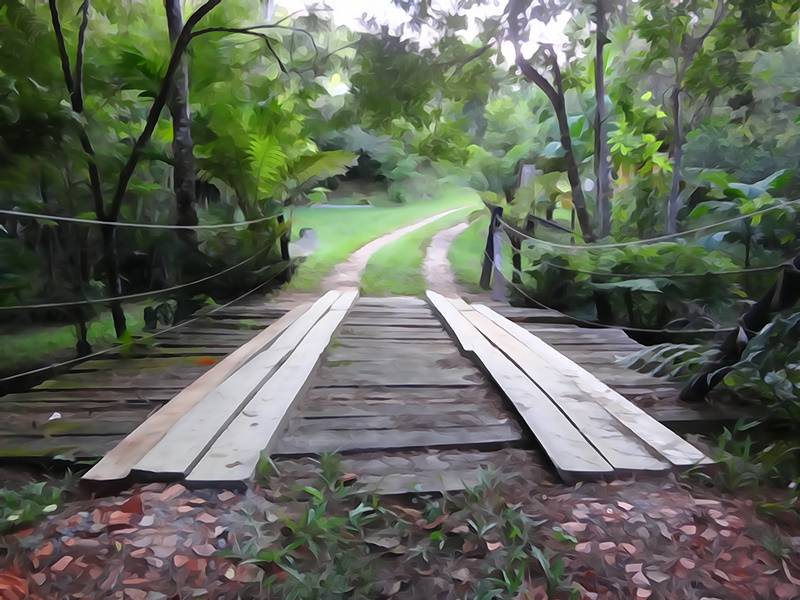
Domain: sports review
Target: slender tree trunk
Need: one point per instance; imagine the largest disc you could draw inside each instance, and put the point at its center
(602, 159)
(110, 263)
(573, 172)
(182, 145)
(673, 202)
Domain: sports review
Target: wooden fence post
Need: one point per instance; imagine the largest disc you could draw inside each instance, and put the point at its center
(489, 252)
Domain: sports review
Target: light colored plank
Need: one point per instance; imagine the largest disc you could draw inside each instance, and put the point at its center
(621, 448)
(670, 445)
(232, 458)
(117, 463)
(571, 454)
(188, 439)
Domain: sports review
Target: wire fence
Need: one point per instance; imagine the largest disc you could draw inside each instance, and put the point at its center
(18, 213)
(137, 295)
(140, 339)
(653, 240)
(663, 275)
(596, 324)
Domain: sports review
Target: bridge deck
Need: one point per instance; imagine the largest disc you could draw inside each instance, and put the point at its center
(393, 394)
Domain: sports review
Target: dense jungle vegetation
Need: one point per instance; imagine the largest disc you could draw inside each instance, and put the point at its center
(664, 135)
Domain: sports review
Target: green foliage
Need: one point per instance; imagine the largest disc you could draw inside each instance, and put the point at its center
(27, 505)
(769, 369)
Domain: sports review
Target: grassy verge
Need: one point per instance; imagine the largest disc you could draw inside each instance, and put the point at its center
(342, 231)
(34, 345)
(397, 268)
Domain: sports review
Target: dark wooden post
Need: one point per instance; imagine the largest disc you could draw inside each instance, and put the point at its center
(488, 255)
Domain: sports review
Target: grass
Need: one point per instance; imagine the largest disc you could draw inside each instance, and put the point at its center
(342, 231)
(33, 345)
(466, 255)
(397, 268)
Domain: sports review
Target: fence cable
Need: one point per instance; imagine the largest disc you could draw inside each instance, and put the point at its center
(662, 275)
(651, 240)
(597, 324)
(135, 295)
(18, 213)
(141, 339)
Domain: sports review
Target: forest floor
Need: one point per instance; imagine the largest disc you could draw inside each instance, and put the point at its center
(510, 538)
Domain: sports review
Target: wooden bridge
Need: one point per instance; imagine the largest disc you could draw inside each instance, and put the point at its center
(416, 394)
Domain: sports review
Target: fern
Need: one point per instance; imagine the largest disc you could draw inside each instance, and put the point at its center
(676, 361)
(310, 170)
(268, 164)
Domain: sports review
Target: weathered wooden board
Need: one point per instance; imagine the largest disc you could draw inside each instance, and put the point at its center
(233, 456)
(621, 448)
(362, 441)
(406, 371)
(571, 453)
(117, 463)
(671, 446)
(187, 440)
(393, 333)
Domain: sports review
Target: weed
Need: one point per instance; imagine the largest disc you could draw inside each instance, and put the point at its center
(27, 505)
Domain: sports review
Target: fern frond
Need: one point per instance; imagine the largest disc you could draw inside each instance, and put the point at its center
(309, 170)
(267, 162)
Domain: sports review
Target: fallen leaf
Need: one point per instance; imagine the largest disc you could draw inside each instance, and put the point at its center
(206, 518)
(61, 564)
(39, 578)
(583, 547)
(173, 491)
(132, 505)
(225, 496)
(462, 575)
(179, 560)
(687, 563)
(204, 550)
(492, 546)
(789, 575)
(435, 523)
(625, 506)
(383, 541)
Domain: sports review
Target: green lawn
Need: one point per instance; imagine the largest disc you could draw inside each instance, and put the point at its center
(397, 268)
(341, 231)
(37, 344)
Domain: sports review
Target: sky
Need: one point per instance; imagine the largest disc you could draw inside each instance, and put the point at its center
(350, 12)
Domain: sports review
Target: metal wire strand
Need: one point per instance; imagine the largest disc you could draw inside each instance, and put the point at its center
(141, 339)
(19, 213)
(652, 240)
(133, 296)
(597, 324)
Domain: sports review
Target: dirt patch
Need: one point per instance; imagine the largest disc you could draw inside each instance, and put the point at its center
(439, 275)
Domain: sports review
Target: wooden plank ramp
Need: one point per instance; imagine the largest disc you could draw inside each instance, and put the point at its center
(590, 412)
(61, 418)
(188, 433)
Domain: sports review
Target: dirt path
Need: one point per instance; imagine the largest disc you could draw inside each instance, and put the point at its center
(439, 275)
(349, 272)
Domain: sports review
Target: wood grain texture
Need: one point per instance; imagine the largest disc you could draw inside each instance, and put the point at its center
(620, 447)
(670, 445)
(570, 452)
(233, 456)
(187, 440)
(117, 463)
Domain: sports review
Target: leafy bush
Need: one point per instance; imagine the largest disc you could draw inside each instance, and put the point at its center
(769, 370)
(27, 505)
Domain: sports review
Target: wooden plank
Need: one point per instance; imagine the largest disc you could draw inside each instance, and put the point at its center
(572, 455)
(621, 448)
(117, 463)
(233, 456)
(671, 446)
(380, 439)
(188, 439)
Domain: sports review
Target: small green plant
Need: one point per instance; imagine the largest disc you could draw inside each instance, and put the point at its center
(27, 505)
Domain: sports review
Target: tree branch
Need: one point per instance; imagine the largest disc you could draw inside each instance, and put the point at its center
(77, 90)
(158, 105)
(62, 46)
(86, 143)
(695, 43)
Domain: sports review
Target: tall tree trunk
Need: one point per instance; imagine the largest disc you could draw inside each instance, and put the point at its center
(673, 202)
(573, 172)
(182, 145)
(602, 159)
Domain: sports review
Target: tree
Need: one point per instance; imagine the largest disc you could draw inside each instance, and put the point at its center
(705, 43)
(520, 13)
(183, 173)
